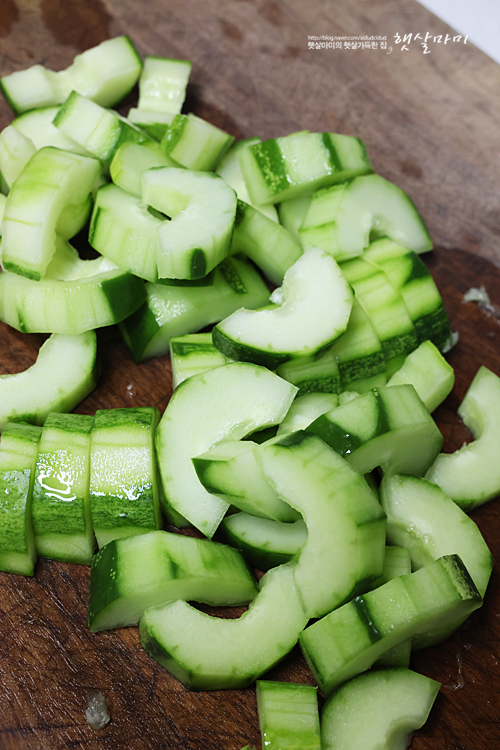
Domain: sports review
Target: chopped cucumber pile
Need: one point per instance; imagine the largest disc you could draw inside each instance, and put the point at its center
(333, 376)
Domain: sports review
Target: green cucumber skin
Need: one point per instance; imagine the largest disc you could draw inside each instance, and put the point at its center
(243, 353)
(288, 715)
(15, 484)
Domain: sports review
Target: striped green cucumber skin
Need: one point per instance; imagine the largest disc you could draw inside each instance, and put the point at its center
(178, 310)
(430, 374)
(133, 574)
(313, 374)
(372, 709)
(358, 352)
(70, 307)
(288, 715)
(263, 541)
(61, 512)
(18, 450)
(343, 518)
(350, 639)
(162, 84)
(124, 495)
(387, 426)
(208, 653)
(192, 354)
(276, 170)
(195, 143)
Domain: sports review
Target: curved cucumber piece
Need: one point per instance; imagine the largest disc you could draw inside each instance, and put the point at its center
(192, 354)
(130, 575)
(314, 374)
(130, 162)
(53, 306)
(305, 410)
(195, 143)
(61, 510)
(52, 181)
(66, 264)
(471, 475)
(16, 150)
(162, 84)
(64, 373)
(38, 127)
(377, 710)
(288, 716)
(317, 302)
(208, 653)
(203, 411)
(428, 372)
(266, 543)
(344, 550)
(202, 208)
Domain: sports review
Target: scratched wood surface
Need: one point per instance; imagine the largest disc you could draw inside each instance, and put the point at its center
(430, 122)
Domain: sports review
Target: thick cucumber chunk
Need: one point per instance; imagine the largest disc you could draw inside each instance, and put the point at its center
(305, 410)
(314, 374)
(471, 475)
(18, 449)
(131, 161)
(231, 471)
(276, 170)
(203, 411)
(358, 352)
(192, 354)
(155, 124)
(397, 562)
(61, 509)
(387, 427)
(195, 143)
(52, 181)
(288, 716)
(162, 85)
(349, 640)
(208, 653)
(264, 542)
(202, 210)
(377, 710)
(344, 550)
(64, 373)
(130, 575)
(124, 494)
(72, 307)
(428, 372)
(314, 312)
(16, 150)
(341, 218)
(174, 310)
(38, 127)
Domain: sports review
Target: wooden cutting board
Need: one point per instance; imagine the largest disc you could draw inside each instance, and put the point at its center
(430, 122)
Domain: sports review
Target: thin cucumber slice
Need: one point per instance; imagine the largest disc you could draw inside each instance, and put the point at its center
(162, 84)
(344, 550)
(52, 181)
(195, 143)
(208, 653)
(264, 241)
(155, 124)
(54, 306)
(124, 494)
(203, 411)
(18, 449)
(16, 150)
(130, 575)
(314, 374)
(130, 162)
(264, 542)
(192, 354)
(305, 409)
(230, 471)
(292, 213)
(387, 427)
(202, 210)
(428, 372)
(288, 716)
(37, 125)
(471, 475)
(377, 710)
(350, 639)
(276, 170)
(315, 309)
(61, 509)
(341, 218)
(177, 310)
(64, 373)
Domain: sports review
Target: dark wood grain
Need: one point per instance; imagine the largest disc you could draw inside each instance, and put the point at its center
(431, 124)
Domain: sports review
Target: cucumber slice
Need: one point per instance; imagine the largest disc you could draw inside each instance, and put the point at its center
(64, 373)
(162, 84)
(305, 410)
(358, 352)
(428, 372)
(208, 653)
(61, 509)
(377, 710)
(264, 542)
(349, 640)
(315, 311)
(130, 575)
(276, 170)
(53, 306)
(130, 162)
(192, 354)
(341, 218)
(16, 150)
(471, 475)
(195, 143)
(18, 449)
(177, 310)
(203, 411)
(314, 374)
(292, 213)
(38, 127)
(155, 124)
(202, 208)
(344, 550)
(397, 562)
(52, 181)
(66, 264)
(288, 716)
(124, 496)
